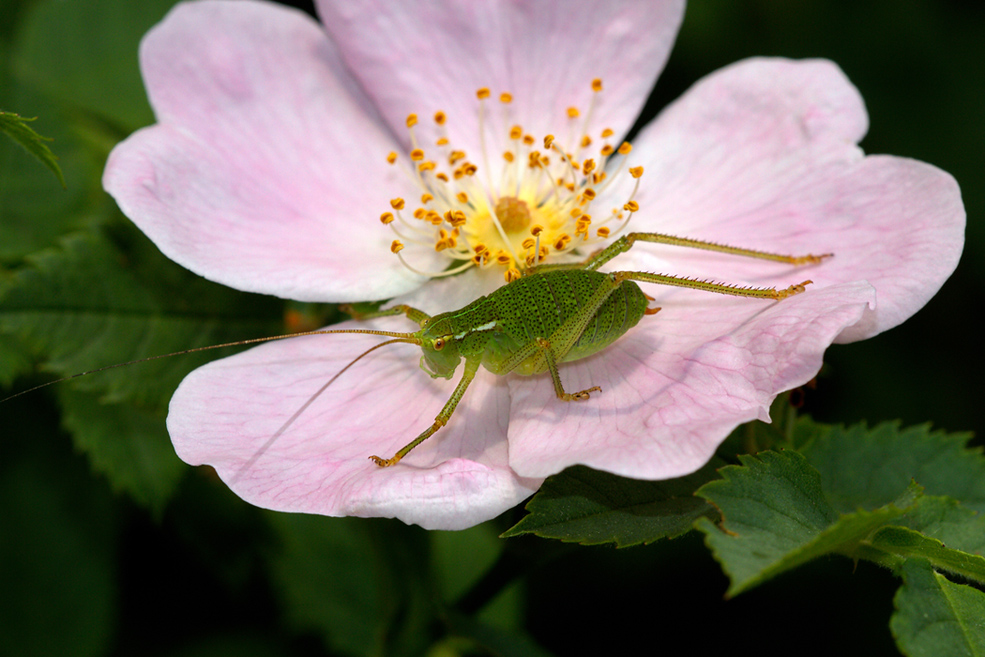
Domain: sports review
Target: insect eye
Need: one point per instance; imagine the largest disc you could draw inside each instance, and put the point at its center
(438, 344)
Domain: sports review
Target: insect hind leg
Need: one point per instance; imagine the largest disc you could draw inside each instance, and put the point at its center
(625, 243)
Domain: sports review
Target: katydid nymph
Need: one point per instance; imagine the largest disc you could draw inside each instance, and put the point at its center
(551, 315)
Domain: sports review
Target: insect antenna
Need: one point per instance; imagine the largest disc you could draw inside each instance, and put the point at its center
(392, 334)
(277, 434)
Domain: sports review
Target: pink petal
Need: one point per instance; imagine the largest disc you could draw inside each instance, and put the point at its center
(677, 384)
(267, 169)
(423, 57)
(762, 154)
(224, 413)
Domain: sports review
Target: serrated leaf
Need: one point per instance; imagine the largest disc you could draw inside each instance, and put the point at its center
(34, 210)
(130, 446)
(909, 544)
(84, 309)
(772, 506)
(867, 468)
(586, 506)
(948, 521)
(936, 617)
(17, 128)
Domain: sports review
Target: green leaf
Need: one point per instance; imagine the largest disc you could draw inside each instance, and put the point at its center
(776, 516)
(361, 584)
(586, 506)
(92, 70)
(936, 617)
(34, 210)
(772, 506)
(867, 468)
(130, 446)
(17, 129)
(57, 551)
(908, 543)
(90, 304)
(490, 639)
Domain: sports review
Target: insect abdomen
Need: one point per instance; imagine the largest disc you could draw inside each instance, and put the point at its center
(537, 306)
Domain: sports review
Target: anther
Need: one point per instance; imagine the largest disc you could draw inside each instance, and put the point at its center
(607, 133)
(573, 112)
(482, 93)
(548, 141)
(391, 158)
(386, 217)
(631, 206)
(396, 246)
(397, 203)
(625, 147)
(597, 85)
(440, 117)
(636, 172)
(411, 120)
(505, 97)
(417, 155)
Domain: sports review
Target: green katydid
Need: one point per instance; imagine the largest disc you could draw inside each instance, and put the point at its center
(528, 326)
(534, 323)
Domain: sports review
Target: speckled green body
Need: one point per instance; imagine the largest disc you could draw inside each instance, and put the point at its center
(550, 305)
(554, 315)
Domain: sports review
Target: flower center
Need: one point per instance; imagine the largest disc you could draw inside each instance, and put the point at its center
(513, 214)
(539, 205)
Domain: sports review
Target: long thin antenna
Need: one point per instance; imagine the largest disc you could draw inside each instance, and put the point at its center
(277, 434)
(390, 334)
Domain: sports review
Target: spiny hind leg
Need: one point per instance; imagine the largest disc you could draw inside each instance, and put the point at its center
(625, 243)
(708, 286)
(549, 357)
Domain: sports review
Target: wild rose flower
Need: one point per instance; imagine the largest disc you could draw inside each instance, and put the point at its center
(268, 171)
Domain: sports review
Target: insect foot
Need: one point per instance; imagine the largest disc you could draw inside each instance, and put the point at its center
(581, 395)
(792, 290)
(383, 463)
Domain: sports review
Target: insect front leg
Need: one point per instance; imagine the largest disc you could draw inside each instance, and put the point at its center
(413, 314)
(471, 367)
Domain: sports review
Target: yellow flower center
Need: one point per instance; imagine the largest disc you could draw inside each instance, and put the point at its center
(542, 204)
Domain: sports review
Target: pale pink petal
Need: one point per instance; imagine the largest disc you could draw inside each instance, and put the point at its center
(423, 57)
(225, 413)
(762, 154)
(678, 383)
(267, 169)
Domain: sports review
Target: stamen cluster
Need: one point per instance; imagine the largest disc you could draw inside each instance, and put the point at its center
(543, 203)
